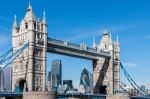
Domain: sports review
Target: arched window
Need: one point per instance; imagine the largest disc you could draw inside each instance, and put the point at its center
(26, 25)
(34, 25)
(106, 46)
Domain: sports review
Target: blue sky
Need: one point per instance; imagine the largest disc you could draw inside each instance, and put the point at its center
(80, 20)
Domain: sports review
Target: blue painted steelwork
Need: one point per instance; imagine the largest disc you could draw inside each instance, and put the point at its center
(135, 97)
(6, 60)
(78, 95)
(10, 94)
(2, 57)
(132, 82)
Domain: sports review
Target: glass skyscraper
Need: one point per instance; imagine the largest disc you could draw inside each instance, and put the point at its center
(85, 82)
(56, 74)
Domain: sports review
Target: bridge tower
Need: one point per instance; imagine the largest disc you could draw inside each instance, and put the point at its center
(29, 69)
(106, 71)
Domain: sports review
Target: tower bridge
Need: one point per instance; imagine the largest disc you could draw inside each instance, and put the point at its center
(105, 56)
(29, 66)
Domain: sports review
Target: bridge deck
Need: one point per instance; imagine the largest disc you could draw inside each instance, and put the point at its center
(71, 49)
(100, 96)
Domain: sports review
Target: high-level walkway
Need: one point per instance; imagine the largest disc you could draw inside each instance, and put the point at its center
(71, 49)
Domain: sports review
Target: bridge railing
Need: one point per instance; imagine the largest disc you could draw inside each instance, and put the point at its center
(78, 47)
(10, 94)
(138, 97)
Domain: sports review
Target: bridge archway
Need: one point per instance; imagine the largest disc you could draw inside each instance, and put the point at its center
(20, 85)
(103, 89)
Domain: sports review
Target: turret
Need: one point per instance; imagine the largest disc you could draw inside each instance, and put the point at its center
(44, 23)
(94, 44)
(30, 15)
(30, 19)
(117, 44)
(15, 27)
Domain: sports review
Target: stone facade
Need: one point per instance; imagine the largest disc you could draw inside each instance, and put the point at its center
(30, 67)
(106, 71)
(40, 95)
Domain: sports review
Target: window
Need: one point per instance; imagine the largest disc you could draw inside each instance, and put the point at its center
(41, 26)
(38, 27)
(38, 67)
(26, 24)
(34, 25)
(39, 53)
(106, 46)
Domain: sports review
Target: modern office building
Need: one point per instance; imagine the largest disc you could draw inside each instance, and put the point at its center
(68, 83)
(56, 73)
(49, 80)
(91, 81)
(85, 82)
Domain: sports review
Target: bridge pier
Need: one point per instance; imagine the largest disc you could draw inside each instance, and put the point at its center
(80, 98)
(117, 97)
(40, 95)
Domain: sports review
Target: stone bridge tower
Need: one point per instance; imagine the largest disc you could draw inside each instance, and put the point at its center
(29, 69)
(106, 75)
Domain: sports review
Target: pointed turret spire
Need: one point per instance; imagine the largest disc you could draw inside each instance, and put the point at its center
(110, 37)
(44, 18)
(30, 15)
(29, 7)
(94, 43)
(105, 32)
(117, 39)
(15, 22)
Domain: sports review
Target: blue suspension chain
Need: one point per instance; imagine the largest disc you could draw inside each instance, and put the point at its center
(2, 57)
(131, 80)
(13, 56)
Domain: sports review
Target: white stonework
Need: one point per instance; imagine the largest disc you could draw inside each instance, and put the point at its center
(30, 66)
(106, 72)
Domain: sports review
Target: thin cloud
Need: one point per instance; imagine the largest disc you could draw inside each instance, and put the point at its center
(90, 33)
(4, 40)
(85, 34)
(130, 64)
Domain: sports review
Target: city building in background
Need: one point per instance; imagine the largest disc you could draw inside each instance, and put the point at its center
(49, 80)
(67, 87)
(148, 86)
(55, 77)
(68, 83)
(6, 78)
(85, 82)
(91, 82)
(62, 88)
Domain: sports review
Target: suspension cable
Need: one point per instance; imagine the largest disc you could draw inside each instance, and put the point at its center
(132, 81)
(125, 90)
(2, 57)
(13, 56)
